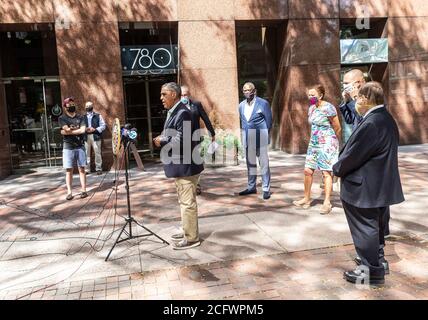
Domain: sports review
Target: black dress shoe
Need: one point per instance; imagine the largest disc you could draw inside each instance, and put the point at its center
(358, 276)
(384, 263)
(266, 195)
(246, 191)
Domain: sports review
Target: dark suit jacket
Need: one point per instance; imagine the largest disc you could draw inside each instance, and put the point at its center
(368, 163)
(198, 112)
(349, 114)
(177, 145)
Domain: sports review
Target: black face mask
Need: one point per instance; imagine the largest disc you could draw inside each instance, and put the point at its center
(249, 95)
(89, 109)
(71, 109)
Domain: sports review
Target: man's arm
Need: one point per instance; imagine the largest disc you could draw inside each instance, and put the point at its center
(206, 119)
(348, 111)
(177, 139)
(66, 131)
(363, 146)
(75, 131)
(102, 126)
(268, 115)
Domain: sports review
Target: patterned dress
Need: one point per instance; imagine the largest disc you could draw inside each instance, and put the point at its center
(323, 149)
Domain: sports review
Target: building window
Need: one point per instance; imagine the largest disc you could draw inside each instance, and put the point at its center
(259, 46)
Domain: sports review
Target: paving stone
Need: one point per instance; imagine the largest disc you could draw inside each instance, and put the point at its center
(303, 257)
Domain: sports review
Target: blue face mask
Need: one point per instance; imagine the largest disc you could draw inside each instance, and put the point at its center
(185, 100)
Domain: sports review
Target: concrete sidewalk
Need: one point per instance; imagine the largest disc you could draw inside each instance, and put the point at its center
(47, 242)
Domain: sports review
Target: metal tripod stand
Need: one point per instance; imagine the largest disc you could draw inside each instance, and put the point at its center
(129, 220)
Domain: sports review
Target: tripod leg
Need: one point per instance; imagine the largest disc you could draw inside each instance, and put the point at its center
(115, 243)
(151, 232)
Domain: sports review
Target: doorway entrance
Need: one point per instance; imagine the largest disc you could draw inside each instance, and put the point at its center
(149, 56)
(144, 110)
(29, 76)
(34, 105)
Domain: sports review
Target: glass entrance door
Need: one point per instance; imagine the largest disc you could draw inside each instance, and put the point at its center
(34, 106)
(144, 110)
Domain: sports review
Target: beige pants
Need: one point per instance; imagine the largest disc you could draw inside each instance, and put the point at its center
(96, 145)
(186, 190)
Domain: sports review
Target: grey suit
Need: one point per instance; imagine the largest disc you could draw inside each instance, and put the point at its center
(255, 138)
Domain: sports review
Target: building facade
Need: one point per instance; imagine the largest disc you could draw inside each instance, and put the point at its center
(118, 54)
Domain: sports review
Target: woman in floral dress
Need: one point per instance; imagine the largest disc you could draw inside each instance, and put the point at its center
(323, 149)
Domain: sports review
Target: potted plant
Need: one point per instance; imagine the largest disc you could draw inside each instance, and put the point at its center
(229, 145)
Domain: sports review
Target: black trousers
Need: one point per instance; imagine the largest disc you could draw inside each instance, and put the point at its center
(368, 229)
(384, 226)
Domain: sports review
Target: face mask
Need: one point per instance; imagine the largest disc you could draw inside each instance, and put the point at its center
(249, 95)
(313, 101)
(89, 109)
(71, 109)
(185, 100)
(348, 87)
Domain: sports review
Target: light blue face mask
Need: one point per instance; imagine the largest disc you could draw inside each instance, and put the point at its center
(185, 100)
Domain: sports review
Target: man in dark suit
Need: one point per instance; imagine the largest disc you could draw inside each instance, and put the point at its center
(370, 182)
(256, 122)
(180, 162)
(353, 80)
(198, 113)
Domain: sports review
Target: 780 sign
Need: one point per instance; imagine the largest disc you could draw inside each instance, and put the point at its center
(160, 58)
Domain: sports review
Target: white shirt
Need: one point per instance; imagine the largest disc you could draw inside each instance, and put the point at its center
(373, 109)
(249, 108)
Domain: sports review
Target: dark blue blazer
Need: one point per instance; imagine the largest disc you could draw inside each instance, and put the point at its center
(261, 121)
(178, 146)
(349, 114)
(368, 163)
(95, 123)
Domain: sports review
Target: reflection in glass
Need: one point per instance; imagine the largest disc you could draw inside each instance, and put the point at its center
(259, 48)
(35, 135)
(144, 72)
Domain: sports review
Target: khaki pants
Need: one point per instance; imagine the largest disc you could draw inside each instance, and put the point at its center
(186, 190)
(91, 143)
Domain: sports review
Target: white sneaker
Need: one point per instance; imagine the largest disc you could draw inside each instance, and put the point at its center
(177, 236)
(184, 244)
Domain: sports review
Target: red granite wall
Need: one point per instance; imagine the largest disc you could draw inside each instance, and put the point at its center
(408, 68)
(310, 56)
(89, 59)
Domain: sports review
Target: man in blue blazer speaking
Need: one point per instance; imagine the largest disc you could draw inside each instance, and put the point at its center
(256, 122)
(181, 163)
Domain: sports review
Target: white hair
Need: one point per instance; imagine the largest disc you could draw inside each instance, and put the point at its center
(250, 84)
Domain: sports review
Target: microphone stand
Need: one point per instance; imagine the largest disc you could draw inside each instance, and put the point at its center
(129, 219)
